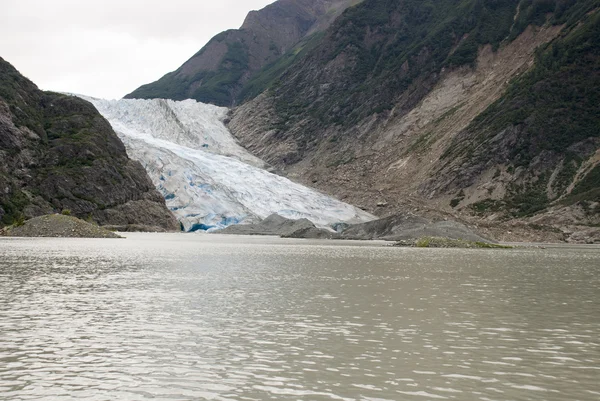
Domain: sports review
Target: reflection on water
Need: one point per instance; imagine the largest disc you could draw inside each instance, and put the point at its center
(175, 317)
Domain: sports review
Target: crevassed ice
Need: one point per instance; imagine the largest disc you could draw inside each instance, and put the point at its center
(207, 179)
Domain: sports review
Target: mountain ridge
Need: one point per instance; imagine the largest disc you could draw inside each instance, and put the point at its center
(334, 120)
(451, 106)
(217, 73)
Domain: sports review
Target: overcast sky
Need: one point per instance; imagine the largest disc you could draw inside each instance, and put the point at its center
(108, 48)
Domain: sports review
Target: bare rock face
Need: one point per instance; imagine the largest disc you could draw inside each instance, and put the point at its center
(410, 227)
(272, 225)
(399, 227)
(58, 153)
(218, 72)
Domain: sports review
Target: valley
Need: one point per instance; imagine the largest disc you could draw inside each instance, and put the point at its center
(481, 112)
(357, 200)
(208, 180)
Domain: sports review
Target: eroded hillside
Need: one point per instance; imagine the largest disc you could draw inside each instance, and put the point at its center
(480, 108)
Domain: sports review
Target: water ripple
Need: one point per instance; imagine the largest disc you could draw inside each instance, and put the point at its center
(173, 317)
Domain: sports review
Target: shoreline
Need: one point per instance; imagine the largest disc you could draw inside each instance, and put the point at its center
(276, 240)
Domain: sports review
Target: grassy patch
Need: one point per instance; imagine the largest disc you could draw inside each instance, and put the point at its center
(586, 190)
(213, 87)
(544, 114)
(557, 103)
(440, 242)
(459, 198)
(487, 206)
(269, 75)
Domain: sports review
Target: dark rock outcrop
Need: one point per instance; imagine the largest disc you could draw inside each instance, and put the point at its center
(395, 228)
(280, 226)
(58, 153)
(410, 227)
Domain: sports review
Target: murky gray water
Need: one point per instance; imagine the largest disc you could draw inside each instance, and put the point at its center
(175, 317)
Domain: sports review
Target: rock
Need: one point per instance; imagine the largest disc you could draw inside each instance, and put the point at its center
(587, 235)
(275, 225)
(59, 226)
(312, 233)
(136, 228)
(410, 227)
(426, 138)
(57, 152)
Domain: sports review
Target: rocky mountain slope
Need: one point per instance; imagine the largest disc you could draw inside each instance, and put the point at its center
(219, 72)
(58, 153)
(483, 109)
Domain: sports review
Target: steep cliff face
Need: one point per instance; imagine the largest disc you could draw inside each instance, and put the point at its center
(482, 108)
(218, 73)
(57, 153)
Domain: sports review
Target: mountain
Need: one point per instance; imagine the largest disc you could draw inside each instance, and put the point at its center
(207, 179)
(218, 73)
(57, 153)
(485, 109)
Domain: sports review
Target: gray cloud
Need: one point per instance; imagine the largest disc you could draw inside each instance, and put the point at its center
(108, 48)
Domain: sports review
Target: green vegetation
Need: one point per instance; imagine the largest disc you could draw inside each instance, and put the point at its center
(459, 198)
(216, 87)
(20, 221)
(557, 102)
(15, 91)
(439, 242)
(553, 113)
(63, 155)
(388, 46)
(13, 206)
(567, 172)
(521, 201)
(269, 76)
(591, 182)
(382, 54)
(588, 189)
(421, 144)
(528, 200)
(568, 12)
(213, 87)
(486, 206)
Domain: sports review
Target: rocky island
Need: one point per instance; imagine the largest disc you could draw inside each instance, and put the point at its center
(57, 226)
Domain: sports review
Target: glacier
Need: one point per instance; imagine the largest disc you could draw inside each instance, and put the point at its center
(209, 181)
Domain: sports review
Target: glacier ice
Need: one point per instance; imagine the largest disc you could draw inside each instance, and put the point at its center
(207, 179)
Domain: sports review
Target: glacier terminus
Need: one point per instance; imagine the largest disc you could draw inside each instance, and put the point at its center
(210, 182)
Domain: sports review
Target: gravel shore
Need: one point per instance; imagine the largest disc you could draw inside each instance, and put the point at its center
(58, 226)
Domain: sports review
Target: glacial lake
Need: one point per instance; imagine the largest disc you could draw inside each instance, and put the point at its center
(208, 317)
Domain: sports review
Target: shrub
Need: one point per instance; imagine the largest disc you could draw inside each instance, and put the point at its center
(19, 221)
